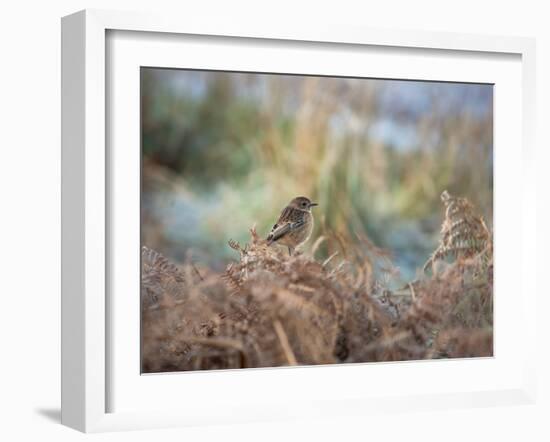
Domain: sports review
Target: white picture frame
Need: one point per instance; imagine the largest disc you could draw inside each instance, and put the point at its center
(88, 232)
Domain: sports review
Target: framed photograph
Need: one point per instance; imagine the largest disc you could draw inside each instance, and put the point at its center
(267, 222)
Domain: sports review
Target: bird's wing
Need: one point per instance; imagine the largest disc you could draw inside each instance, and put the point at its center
(287, 223)
(278, 232)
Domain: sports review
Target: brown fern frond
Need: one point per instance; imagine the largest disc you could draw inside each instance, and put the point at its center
(159, 276)
(236, 246)
(464, 234)
(270, 309)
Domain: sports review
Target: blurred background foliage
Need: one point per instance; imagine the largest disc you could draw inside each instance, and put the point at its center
(224, 151)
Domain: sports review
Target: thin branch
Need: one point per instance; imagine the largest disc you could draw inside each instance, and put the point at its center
(283, 338)
(329, 259)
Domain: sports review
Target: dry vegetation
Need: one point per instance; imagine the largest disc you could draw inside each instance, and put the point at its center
(269, 309)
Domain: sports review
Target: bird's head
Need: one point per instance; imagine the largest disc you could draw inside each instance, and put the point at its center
(302, 203)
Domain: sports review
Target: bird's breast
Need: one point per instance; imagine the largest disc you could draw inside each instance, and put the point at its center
(300, 235)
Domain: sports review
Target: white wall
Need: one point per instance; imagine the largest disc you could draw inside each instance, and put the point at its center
(30, 214)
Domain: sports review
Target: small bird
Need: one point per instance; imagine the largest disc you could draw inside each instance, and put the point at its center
(294, 225)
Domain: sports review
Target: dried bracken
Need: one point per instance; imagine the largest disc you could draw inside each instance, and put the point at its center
(270, 309)
(159, 277)
(463, 232)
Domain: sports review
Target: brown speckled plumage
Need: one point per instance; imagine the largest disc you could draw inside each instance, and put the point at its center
(294, 225)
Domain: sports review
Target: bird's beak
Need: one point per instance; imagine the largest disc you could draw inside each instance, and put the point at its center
(313, 204)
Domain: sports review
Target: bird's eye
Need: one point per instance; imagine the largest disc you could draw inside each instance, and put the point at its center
(304, 204)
